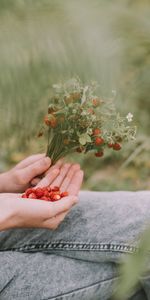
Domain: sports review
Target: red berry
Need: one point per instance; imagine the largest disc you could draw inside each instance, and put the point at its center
(51, 194)
(55, 188)
(96, 131)
(95, 102)
(28, 192)
(45, 198)
(50, 120)
(46, 193)
(91, 111)
(64, 194)
(116, 146)
(23, 196)
(46, 120)
(56, 197)
(99, 141)
(39, 192)
(110, 145)
(99, 154)
(32, 196)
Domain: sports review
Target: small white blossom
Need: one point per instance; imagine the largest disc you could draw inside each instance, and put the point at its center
(129, 117)
(114, 92)
(83, 113)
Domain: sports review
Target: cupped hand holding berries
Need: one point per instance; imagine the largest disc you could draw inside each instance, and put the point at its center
(16, 212)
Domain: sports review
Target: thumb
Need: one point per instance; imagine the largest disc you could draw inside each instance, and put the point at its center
(33, 170)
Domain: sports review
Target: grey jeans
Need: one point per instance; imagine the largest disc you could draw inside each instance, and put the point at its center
(78, 260)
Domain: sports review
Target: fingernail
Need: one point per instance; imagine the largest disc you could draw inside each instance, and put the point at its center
(47, 160)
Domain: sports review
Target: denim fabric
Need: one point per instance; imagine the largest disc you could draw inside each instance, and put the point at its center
(78, 260)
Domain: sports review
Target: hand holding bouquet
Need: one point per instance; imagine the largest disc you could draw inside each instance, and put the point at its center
(80, 121)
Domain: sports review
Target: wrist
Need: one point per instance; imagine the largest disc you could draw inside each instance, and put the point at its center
(3, 183)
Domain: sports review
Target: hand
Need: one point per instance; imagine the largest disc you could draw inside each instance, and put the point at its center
(22, 176)
(16, 212)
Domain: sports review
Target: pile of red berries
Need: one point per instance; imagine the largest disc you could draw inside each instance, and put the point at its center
(46, 193)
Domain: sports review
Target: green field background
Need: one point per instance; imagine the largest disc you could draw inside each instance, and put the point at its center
(44, 42)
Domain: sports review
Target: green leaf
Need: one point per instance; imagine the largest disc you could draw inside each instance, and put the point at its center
(88, 138)
(82, 140)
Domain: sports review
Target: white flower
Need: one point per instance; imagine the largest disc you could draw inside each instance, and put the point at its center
(129, 117)
(114, 92)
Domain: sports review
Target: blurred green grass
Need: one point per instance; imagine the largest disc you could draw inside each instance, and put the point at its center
(43, 42)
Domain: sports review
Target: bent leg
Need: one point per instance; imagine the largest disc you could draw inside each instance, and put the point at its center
(101, 228)
(39, 276)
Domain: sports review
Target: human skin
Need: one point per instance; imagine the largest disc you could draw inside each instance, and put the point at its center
(16, 212)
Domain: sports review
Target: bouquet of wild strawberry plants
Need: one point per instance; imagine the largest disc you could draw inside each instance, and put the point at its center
(78, 120)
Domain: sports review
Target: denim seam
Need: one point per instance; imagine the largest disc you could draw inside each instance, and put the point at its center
(73, 246)
(99, 283)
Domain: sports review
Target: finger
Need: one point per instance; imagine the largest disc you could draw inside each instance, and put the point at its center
(63, 205)
(29, 160)
(49, 178)
(54, 222)
(58, 165)
(74, 168)
(27, 174)
(35, 181)
(32, 213)
(75, 184)
(63, 171)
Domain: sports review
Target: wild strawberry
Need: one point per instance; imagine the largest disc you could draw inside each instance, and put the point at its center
(46, 193)
(50, 120)
(95, 102)
(96, 131)
(99, 141)
(24, 196)
(45, 198)
(46, 120)
(32, 196)
(116, 146)
(99, 154)
(91, 111)
(110, 145)
(39, 192)
(55, 188)
(64, 194)
(56, 197)
(28, 192)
